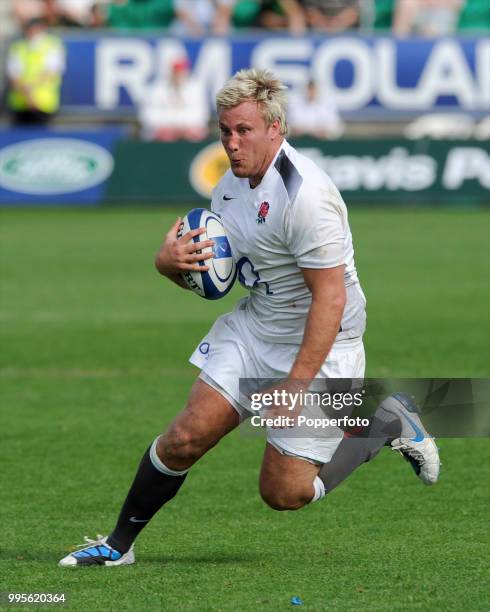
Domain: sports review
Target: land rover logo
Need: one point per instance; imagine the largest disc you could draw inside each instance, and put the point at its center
(207, 168)
(51, 166)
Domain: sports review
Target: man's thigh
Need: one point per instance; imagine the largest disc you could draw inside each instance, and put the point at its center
(207, 417)
(286, 482)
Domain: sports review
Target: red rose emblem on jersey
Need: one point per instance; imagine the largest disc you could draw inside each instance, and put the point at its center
(263, 212)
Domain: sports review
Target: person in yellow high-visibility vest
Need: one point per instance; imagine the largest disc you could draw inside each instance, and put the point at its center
(35, 65)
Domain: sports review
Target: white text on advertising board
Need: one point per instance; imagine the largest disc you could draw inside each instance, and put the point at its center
(133, 64)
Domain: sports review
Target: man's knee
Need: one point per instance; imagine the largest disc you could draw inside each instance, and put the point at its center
(207, 417)
(287, 499)
(179, 447)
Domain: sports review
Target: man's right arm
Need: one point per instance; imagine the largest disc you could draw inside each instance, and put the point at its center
(176, 255)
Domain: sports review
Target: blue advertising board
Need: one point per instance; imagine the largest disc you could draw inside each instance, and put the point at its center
(366, 75)
(44, 166)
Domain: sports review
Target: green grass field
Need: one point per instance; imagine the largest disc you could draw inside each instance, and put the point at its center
(94, 365)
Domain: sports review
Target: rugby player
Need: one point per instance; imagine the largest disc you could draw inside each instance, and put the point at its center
(304, 319)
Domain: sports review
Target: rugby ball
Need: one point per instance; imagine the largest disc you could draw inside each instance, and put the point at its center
(219, 279)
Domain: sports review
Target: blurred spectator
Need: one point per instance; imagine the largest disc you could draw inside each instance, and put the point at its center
(200, 17)
(475, 16)
(25, 11)
(35, 64)
(383, 14)
(139, 14)
(176, 108)
(426, 17)
(314, 114)
(332, 15)
(246, 13)
(282, 14)
(84, 13)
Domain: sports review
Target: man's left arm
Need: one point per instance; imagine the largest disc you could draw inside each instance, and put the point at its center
(323, 321)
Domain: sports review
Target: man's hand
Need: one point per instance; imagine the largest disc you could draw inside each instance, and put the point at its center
(283, 400)
(179, 254)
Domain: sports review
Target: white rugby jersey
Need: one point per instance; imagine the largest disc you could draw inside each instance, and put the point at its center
(295, 218)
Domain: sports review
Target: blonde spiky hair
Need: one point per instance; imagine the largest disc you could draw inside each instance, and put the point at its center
(259, 85)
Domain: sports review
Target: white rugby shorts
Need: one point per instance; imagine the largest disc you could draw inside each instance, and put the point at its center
(230, 352)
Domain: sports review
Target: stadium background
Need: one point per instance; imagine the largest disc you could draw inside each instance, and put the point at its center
(94, 343)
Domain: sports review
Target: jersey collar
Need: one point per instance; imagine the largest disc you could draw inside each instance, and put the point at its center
(267, 176)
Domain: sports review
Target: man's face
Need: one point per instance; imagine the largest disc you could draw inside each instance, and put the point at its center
(248, 142)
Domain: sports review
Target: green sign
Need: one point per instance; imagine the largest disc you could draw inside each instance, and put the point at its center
(365, 171)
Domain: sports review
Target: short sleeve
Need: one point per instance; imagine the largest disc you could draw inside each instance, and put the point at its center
(315, 229)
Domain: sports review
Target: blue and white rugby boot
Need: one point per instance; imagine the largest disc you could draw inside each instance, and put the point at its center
(415, 444)
(97, 552)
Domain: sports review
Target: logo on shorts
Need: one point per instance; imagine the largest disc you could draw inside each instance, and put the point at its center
(204, 348)
(263, 212)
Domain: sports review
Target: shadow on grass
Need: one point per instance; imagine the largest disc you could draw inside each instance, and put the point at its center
(212, 558)
(245, 558)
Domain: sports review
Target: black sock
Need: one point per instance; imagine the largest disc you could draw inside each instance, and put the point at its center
(151, 489)
(354, 451)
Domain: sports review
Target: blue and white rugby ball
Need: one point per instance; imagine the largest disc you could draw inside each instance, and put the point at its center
(219, 279)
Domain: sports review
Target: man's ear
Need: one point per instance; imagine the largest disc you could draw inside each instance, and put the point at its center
(275, 129)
